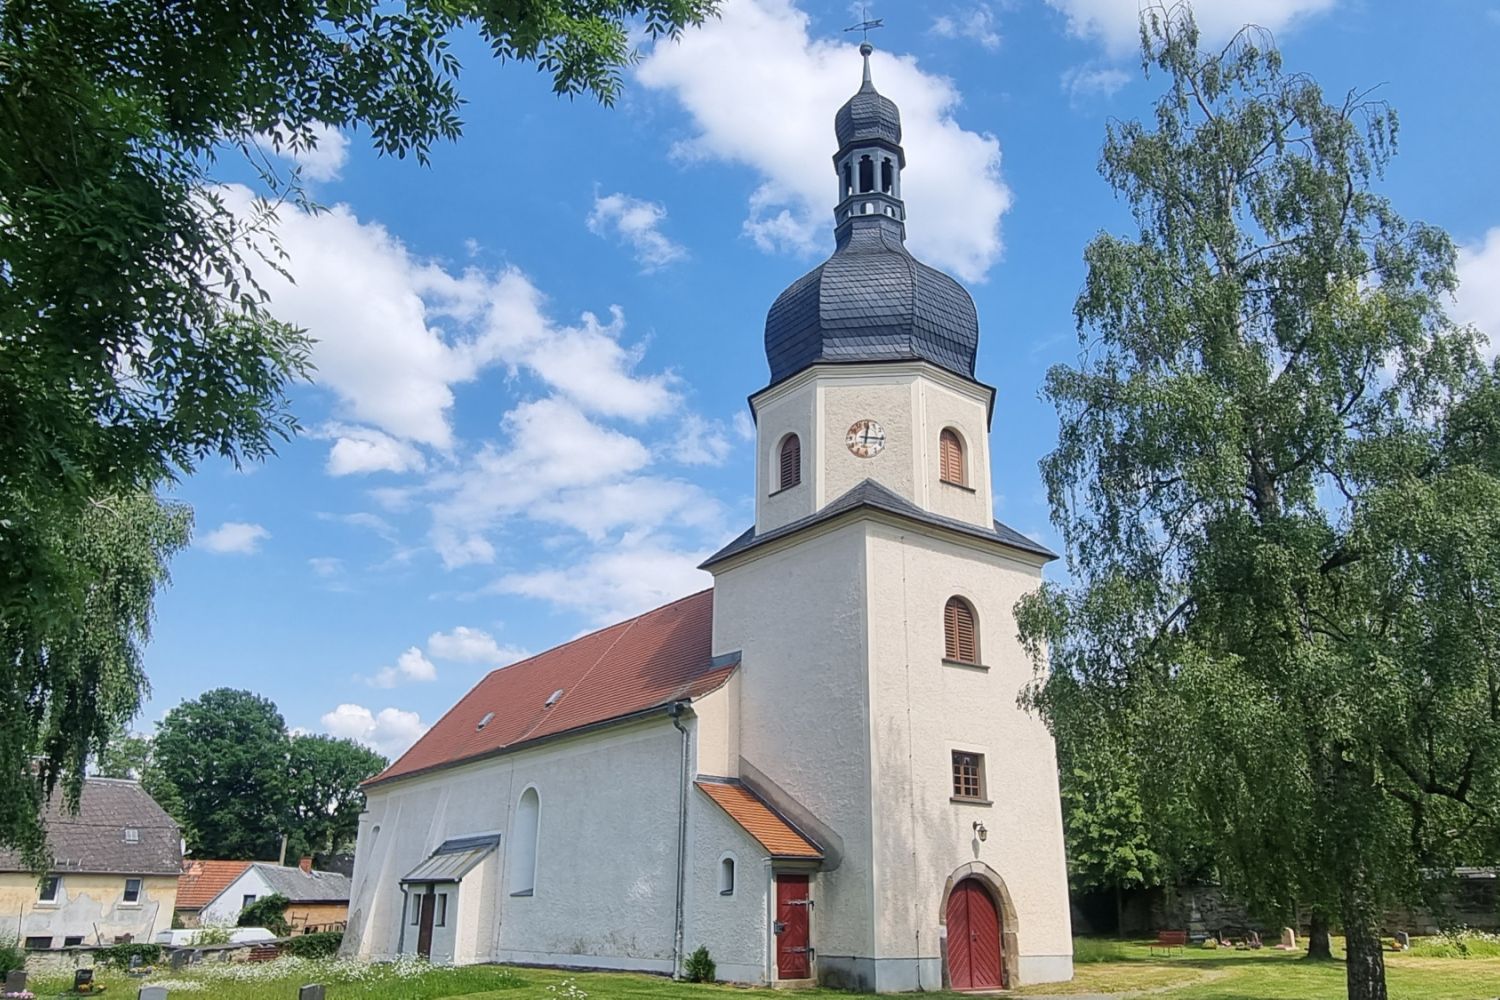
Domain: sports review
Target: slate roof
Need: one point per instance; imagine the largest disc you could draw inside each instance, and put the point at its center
(868, 114)
(759, 820)
(94, 840)
(201, 881)
(639, 665)
(872, 301)
(453, 859)
(305, 887)
(872, 495)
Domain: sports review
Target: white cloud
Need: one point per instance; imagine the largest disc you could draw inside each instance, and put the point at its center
(1116, 23)
(472, 645)
(762, 93)
(1083, 82)
(234, 538)
(322, 161)
(1478, 299)
(394, 334)
(391, 732)
(614, 583)
(700, 442)
(635, 505)
(744, 426)
(976, 23)
(358, 450)
(410, 666)
(326, 566)
(637, 224)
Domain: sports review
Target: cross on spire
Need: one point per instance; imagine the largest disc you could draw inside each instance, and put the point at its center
(867, 25)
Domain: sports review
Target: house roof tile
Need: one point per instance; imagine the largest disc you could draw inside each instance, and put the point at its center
(201, 881)
(95, 840)
(760, 821)
(638, 665)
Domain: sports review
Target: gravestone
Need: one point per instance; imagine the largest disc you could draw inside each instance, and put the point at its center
(178, 958)
(15, 981)
(152, 993)
(82, 978)
(313, 991)
(1288, 939)
(1403, 941)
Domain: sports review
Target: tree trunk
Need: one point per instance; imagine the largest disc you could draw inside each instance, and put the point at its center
(1364, 959)
(1319, 945)
(1119, 911)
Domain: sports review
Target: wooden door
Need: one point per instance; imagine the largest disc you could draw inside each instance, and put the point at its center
(975, 960)
(794, 943)
(424, 929)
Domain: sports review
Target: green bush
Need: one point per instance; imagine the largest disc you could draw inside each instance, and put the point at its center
(699, 968)
(323, 944)
(211, 934)
(11, 955)
(1460, 942)
(119, 955)
(268, 912)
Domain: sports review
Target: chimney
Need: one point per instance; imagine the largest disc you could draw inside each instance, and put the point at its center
(306, 865)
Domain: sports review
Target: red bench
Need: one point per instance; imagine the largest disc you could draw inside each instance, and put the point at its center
(1167, 940)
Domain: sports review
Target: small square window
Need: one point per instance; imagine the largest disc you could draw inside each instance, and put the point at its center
(442, 910)
(72, 942)
(38, 943)
(968, 775)
(414, 903)
(132, 835)
(51, 889)
(132, 890)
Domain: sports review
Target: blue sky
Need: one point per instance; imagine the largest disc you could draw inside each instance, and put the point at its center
(529, 416)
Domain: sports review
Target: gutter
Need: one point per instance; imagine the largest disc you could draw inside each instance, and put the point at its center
(675, 711)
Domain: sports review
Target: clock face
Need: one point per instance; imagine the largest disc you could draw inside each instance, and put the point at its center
(865, 438)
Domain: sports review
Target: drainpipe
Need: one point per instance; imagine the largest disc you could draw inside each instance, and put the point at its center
(676, 711)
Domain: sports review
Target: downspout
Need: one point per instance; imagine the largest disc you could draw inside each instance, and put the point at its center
(675, 711)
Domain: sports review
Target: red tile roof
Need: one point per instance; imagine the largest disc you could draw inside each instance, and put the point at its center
(201, 881)
(644, 663)
(776, 835)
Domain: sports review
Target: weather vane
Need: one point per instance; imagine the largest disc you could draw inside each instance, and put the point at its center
(867, 24)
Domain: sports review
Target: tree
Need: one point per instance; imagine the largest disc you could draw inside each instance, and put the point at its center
(1278, 482)
(125, 755)
(268, 912)
(322, 792)
(74, 675)
(133, 341)
(224, 756)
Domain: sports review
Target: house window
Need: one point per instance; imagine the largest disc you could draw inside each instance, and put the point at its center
(442, 910)
(132, 890)
(968, 775)
(951, 465)
(38, 943)
(50, 891)
(726, 877)
(72, 942)
(247, 899)
(414, 903)
(866, 174)
(791, 462)
(132, 835)
(960, 632)
(523, 837)
(887, 176)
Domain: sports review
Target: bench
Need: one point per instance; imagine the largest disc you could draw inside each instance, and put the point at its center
(1167, 940)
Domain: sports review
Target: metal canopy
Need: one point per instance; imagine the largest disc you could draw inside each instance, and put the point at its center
(453, 859)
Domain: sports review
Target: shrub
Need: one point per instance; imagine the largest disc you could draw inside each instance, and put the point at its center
(268, 912)
(699, 968)
(120, 955)
(211, 935)
(11, 955)
(1458, 942)
(323, 944)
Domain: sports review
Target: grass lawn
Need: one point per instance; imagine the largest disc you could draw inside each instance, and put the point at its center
(1124, 968)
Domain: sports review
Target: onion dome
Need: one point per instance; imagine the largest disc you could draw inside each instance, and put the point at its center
(872, 300)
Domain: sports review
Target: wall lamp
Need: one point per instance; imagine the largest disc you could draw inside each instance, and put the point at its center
(980, 831)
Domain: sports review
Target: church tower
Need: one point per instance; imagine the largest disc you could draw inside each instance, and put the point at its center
(871, 606)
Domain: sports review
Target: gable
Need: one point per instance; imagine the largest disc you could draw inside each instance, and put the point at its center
(638, 665)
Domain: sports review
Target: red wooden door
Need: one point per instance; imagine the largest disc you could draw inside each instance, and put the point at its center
(975, 961)
(794, 943)
(424, 927)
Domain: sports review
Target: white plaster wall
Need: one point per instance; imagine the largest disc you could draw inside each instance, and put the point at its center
(798, 617)
(225, 907)
(736, 928)
(922, 710)
(89, 906)
(787, 410)
(716, 731)
(845, 398)
(606, 859)
(940, 406)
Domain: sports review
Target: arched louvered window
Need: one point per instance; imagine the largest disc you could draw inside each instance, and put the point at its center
(951, 465)
(791, 462)
(960, 631)
(523, 841)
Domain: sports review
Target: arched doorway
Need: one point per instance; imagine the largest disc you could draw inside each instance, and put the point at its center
(976, 958)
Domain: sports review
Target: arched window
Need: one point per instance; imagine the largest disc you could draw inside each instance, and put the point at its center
(791, 462)
(887, 176)
(960, 632)
(523, 839)
(951, 465)
(848, 178)
(726, 876)
(866, 174)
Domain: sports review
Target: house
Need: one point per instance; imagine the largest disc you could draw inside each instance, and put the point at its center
(816, 769)
(201, 881)
(316, 901)
(114, 874)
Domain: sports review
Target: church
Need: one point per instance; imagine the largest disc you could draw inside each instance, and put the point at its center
(816, 769)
